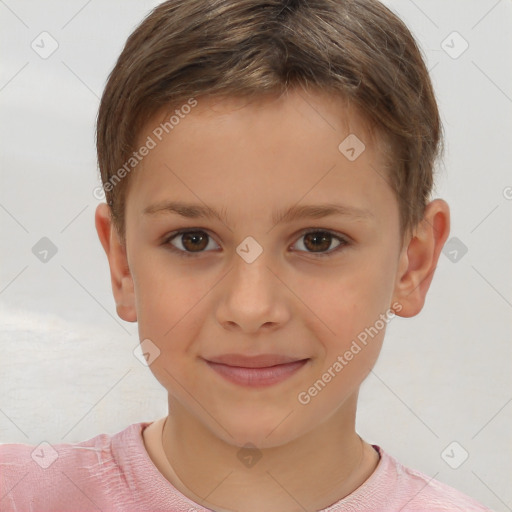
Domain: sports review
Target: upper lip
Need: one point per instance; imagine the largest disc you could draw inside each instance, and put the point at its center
(260, 361)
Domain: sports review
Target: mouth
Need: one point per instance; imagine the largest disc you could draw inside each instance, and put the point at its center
(256, 371)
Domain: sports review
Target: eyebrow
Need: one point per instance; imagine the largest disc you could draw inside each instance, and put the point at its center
(194, 211)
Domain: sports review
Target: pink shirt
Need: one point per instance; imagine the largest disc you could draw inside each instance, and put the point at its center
(115, 473)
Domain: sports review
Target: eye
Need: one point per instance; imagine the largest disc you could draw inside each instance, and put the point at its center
(318, 241)
(190, 243)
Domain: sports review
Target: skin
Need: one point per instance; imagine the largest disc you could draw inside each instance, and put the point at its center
(247, 159)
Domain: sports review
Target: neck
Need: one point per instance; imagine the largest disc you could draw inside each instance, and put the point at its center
(312, 471)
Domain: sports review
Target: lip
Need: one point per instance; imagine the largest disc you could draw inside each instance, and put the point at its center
(256, 371)
(259, 361)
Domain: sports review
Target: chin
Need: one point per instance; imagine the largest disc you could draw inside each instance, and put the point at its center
(259, 430)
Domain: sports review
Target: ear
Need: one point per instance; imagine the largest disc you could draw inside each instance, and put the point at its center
(122, 281)
(419, 256)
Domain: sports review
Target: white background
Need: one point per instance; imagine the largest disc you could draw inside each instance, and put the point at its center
(67, 370)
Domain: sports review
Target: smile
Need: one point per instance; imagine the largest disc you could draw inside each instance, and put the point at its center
(257, 377)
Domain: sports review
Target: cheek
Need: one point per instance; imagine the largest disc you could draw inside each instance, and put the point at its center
(169, 308)
(351, 332)
(343, 302)
(172, 305)
(165, 292)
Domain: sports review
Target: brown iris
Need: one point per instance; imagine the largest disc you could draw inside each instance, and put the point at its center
(319, 240)
(194, 240)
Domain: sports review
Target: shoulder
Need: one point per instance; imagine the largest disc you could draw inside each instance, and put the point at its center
(55, 475)
(416, 491)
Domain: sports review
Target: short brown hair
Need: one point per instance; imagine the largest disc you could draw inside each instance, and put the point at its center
(356, 49)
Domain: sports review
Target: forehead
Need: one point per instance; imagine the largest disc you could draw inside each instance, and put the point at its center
(238, 154)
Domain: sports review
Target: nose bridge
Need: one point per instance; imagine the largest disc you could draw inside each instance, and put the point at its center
(250, 294)
(250, 274)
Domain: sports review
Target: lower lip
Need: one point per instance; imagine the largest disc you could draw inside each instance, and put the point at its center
(257, 377)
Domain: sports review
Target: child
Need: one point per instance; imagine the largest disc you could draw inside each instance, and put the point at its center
(258, 131)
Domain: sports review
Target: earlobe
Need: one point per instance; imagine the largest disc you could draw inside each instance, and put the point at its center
(418, 260)
(121, 278)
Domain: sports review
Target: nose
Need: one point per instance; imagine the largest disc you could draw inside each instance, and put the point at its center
(252, 297)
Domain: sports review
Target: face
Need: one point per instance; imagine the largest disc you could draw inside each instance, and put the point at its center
(255, 281)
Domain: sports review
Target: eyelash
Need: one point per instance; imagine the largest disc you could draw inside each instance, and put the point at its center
(187, 254)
